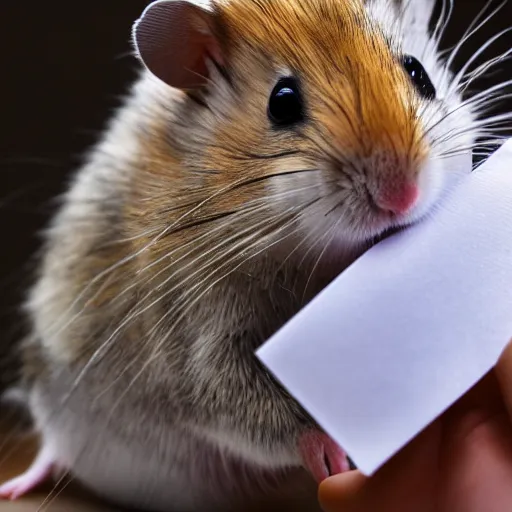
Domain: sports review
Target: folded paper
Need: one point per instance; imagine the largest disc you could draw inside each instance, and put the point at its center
(409, 327)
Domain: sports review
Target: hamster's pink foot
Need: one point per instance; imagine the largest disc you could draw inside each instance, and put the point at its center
(39, 472)
(322, 456)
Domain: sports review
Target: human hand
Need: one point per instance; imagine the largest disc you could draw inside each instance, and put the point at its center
(460, 463)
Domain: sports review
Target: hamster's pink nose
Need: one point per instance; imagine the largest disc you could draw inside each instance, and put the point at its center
(398, 199)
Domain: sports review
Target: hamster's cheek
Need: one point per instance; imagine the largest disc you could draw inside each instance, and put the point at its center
(318, 203)
(297, 182)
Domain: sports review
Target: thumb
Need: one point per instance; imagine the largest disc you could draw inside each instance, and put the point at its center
(405, 483)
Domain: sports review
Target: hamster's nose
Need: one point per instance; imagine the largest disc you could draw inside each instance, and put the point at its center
(397, 198)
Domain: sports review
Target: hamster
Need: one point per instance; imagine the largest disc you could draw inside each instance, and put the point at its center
(265, 146)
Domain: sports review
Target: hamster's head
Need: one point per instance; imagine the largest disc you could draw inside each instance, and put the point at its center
(337, 115)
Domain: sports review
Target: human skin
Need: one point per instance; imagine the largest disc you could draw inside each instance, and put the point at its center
(460, 463)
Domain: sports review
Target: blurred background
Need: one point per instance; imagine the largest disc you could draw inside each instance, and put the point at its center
(64, 66)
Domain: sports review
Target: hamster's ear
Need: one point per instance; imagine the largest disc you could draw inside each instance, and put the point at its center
(174, 39)
(417, 14)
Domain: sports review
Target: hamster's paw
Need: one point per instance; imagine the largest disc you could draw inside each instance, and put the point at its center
(40, 471)
(322, 456)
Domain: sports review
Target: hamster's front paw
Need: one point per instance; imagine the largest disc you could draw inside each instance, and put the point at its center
(321, 456)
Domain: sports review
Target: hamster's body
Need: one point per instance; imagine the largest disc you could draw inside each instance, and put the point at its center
(172, 462)
(197, 228)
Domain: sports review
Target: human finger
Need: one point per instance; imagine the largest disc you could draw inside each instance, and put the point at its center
(407, 482)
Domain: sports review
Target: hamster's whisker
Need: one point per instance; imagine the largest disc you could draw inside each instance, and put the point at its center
(329, 235)
(56, 491)
(115, 266)
(202, 220)
(247, 155)
(490, 144)
(305, 239)
(206, 243)
(137, 253)
(134, 238)
(205, 238)
(137, 311)
(234, 258)
(314, 244)
(464, 150)
(493, 90)
(469, 33)
(492, 94)
(483, 98)
(104, 347)
(487, 106)
(486, 144)
(237, 153)
(482, 69)
(194, 298)
(480, 15)
(460, 75)
(249, 209)
(443, 22)
(491, 129)
(236, 249)
(188, 304)
(265, 177)
(483, 126)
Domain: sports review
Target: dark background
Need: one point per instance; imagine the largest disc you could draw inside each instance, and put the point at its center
(63, 67)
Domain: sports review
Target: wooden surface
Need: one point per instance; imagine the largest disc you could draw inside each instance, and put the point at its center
(16, 453)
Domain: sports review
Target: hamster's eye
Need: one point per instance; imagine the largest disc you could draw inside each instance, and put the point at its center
(419, 77)
(285, 103)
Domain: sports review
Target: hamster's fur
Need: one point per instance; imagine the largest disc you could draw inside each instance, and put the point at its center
(197, 228)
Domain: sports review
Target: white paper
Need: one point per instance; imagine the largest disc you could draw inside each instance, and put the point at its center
(411, 326)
